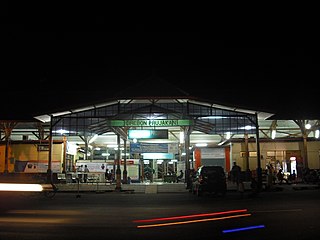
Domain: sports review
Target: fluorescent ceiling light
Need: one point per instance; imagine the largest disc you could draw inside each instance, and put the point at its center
(213, 117)
(201, 144)
(248, 127)
(62, 131)
(273, 134)
(228, 135)
(316, 133)
(181, 137)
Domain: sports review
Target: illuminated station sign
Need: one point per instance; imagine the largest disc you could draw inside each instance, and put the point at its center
(150, 123)
(148, 134)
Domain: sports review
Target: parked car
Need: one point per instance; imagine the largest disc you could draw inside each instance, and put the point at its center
(209, 179)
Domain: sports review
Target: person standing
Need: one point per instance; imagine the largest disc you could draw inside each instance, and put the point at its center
(111, 175)
(80, 173)
(293, 176)
(107, 175)
(85, 175)
(270, 177)
(236, 176)
(235, 173)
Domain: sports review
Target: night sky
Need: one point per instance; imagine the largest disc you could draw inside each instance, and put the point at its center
(73, 65)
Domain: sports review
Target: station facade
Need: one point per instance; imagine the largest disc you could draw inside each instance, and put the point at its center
(163, 134)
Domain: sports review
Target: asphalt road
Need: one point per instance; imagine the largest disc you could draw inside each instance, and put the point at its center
(112, 215)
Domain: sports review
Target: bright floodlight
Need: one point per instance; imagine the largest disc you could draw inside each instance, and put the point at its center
(308, 126)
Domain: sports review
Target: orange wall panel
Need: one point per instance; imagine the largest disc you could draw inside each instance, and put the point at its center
(197, 157)
(227, 154)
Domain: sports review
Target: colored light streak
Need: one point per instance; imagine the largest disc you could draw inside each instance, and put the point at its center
(243, 229)
(20, 187)
(193, 221)
(190, 216)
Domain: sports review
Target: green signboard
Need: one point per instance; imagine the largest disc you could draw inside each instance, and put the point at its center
(149, 123)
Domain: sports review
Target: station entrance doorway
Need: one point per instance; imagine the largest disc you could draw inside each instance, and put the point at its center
(161, 170)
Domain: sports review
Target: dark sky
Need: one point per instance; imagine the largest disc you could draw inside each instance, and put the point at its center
(73, 64)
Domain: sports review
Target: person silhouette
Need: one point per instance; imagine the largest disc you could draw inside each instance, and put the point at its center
(180, 176)
(235, 173)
